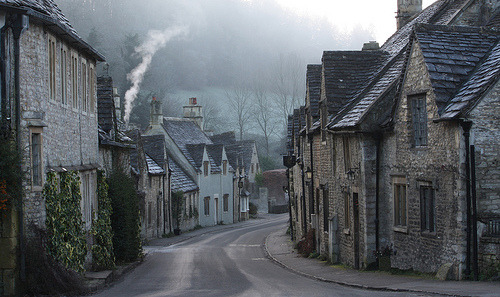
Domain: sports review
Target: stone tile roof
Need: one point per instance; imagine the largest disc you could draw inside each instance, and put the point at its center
(47, 11)
(233, 152)
(153, 167)
(451, 54)
(105, 103)
(479, 83)
(215, 151)
(180, 181)
(224, 138)
(246, 152)
(314, 87)
(185, 131)
(154, 147)
(358, 108)
(195, 152)
(346, 73)
(494, 22)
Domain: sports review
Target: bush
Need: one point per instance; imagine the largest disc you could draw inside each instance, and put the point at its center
(125, 220)
(253, 208)
(307, 245)
(44, 274)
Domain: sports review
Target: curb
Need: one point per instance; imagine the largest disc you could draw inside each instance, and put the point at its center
(352, 285)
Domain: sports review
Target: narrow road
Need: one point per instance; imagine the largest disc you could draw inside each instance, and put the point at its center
(225, 262)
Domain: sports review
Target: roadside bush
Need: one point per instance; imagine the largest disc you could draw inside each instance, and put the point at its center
(307, 245)
(253, 209)
(125, 220)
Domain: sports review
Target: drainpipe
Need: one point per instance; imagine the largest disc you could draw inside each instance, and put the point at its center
(19, 24)
(466, 125)
(378, 138)
(474, 212)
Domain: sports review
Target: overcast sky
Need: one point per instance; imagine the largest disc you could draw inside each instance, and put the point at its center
(376, 16)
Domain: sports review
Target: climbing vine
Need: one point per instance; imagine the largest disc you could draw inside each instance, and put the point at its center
(102, 249)
(10, 175)
(67, 241)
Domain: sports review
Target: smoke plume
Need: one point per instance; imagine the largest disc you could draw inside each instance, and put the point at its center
(156, 40)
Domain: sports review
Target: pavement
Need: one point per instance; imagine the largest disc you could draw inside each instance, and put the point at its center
(280, 249)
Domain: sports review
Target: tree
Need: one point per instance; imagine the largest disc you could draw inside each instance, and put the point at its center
(289, 84)
(264, 113)
(239, 101)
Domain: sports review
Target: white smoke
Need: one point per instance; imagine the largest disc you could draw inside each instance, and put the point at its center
(156, 40)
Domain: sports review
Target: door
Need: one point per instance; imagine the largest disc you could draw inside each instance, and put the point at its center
(355, 208)
(217, 210)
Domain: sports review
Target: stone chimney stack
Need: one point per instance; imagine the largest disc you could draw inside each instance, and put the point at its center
(407, 9)
(193, 111)
(371, 46)
(156, 115)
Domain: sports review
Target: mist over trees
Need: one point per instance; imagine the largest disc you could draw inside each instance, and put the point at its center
(245, 60)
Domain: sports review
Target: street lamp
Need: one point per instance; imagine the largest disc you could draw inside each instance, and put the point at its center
(309, 173)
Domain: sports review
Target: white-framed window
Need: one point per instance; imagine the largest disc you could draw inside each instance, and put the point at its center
(226, 202)
(52, 53)
(205, 168)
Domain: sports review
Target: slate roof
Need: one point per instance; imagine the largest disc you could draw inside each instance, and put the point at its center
(314, 87)
(153, 167)
(440, 12)
(154, 147)
(346, 73)
(451, 54)
(380, 86)
(185, 131)
(46, 11)
(180, 181)
(224, 138)
(233, 152)
(215, 151)
(195, 152)
(246, 149)
(479, 83)
(494, 22)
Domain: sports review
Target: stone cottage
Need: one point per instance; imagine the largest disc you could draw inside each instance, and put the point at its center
(371, 175)
(205, 164)
(52, 111)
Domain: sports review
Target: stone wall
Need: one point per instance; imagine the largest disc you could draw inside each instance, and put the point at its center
(435, 164)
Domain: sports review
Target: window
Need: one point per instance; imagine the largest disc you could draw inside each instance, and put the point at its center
(207, 205)
(92, 88)
(52, 68)
(347, 206)
(224, 167)
(205, 168)
(226, 202)
(87, 198)
(326, 209)
(400, 211)
(36, 159)
(150, 213)
(347, 154)
(63, 64)
(419, 119)
(84, 83)
(74, 79)
(253, 168)
(427, 207)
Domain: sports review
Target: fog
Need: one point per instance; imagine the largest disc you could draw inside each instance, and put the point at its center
(253, 47)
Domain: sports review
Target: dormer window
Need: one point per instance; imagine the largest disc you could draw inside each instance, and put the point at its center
(419, 119)
(205, 168)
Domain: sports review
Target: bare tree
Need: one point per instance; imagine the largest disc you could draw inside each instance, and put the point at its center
(289, 84)
(264, 112)
(239, 98)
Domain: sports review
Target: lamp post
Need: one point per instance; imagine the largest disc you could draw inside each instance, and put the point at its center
(240, 186)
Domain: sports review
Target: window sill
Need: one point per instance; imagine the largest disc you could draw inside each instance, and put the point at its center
(347, 231)
(429, 234)
(400, 229)
(36, 189)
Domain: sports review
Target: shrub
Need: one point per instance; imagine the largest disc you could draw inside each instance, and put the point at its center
(307, 245)
(125, 221)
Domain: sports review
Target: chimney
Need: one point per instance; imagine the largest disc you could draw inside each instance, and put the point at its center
(407, 9)
(193, 111)
(118, 107)
(156, 115)
(371, 46)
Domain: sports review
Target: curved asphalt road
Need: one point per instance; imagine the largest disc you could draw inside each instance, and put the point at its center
(227, 262)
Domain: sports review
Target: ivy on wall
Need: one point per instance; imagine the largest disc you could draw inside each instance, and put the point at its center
(67, 241)
(10, 175)
(102, 249)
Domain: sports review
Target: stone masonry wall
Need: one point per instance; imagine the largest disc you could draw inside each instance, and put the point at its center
(436, 164)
